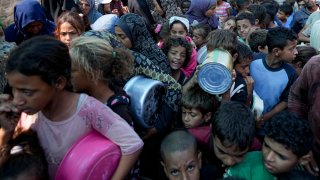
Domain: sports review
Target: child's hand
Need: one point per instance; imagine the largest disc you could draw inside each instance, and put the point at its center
(115, 11)
(250, 82)
(125, 9)
(312, 166)
(9, 114)
(150, 132)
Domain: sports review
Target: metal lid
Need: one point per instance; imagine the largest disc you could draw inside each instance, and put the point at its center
(214, 78)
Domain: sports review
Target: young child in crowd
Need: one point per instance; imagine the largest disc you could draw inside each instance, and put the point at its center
(285, 10)
(305, 52)
(178, 51)
(100, 70)
(259, 13)
(287, 145)
(273, 76)
(199, 37)
(23, 158)
(223, 10)
(245, 24)
(41, 91)
(185, 4)
(257, 40)
(229, 24)
(180, 156)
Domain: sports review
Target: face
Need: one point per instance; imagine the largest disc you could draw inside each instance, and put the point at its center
(79, 80)
(277, 159)
(182, 165)
(281, 15)
(192, 117)
(34, 28)
(228, 155)
(230, 25)
(197, 38)
(30, 93)
(178, 30)
(301, 4)
(243, 27)
(123, 37)
(185, 6)
(289, 52)
(67, 33)
(107, 8)
(84, 6)
(176, 57)
(243, 68)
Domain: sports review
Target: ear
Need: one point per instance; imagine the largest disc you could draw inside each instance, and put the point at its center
(299, 64)
(60, 83)
(276, 51)
(304, 160)
(207, 116)
(256, 22)
(234, 57)
(164, 168)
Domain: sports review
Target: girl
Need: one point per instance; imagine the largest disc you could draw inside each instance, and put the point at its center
(132, 31)
(179, 52)
(229, 24)
(69, 26)
(223, 10)
(98, 69)
(23, 158)
(41, 88)
(200, 33)
(88, 9)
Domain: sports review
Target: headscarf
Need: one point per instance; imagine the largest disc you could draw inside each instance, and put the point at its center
(144, 66)
(105, 22)
(181, 19)
(93, 13)
(142, 41)
(170, 8)
(141, 8)
(196, 12)
(26, 12)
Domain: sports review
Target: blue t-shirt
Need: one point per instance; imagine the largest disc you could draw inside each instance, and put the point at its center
(272, 84)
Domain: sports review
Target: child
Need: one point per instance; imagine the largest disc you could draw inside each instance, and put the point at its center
(95, 72)
(259, 13)
(41, 89)
(185, 4)
(285, 10)
(23, 158)
(273, 87)
(258, 43)
(199, 37)
(304, 54)
(222, 10)
(178, 51)
(229, 24)
(287, 145)
(180, 156)
(245, 24)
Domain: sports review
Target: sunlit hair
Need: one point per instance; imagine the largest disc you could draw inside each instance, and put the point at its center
(74, 19)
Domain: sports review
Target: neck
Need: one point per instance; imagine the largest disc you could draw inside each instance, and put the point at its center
(273, 61)
(101, 91)
(63, 106)
(176, 74)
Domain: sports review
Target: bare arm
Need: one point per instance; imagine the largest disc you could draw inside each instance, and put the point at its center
(125, 165)
(302, 37)
(278, 108)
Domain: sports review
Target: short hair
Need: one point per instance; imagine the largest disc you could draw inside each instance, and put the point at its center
(178, 41)
(204, 29)
(257, 38)
(179, 140)
(74, 19)
(23, 154)
(305, 52)
(246, 15)
(286, 8)
(244, 52)
(242, 3)
(272, 8)
(258, 11)
(195, 97)
(223, 39)
(234, 124)
(42, 56)
(278, 37)
(291, 131)
(92, 54)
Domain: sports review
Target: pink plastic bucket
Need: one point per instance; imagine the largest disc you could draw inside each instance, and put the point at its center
(92, 158)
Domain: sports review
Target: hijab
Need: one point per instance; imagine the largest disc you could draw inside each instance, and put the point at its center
(93, 13)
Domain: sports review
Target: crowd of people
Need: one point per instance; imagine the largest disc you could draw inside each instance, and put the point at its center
(64, 65)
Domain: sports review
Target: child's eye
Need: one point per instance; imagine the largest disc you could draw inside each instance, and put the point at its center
(190, 168)
(27, 92)
(174, 172)
(282, 157)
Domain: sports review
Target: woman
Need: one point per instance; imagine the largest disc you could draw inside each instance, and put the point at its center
(88, 9)
(69, 26)
(133, 33)
(202, 11)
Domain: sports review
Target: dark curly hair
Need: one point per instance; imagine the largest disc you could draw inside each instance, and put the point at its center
(291, 131)
(178, 41)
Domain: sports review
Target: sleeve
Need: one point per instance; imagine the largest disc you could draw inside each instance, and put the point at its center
(228, 5)
(241, 94)
(307, 31)
(112, 126)
(292, 76)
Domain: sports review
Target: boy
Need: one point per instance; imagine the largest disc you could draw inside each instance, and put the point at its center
(285, 11)
(180, 156)
(287, 144)
(259, 13)
(258, 44)
(272, 75)
(245, 24)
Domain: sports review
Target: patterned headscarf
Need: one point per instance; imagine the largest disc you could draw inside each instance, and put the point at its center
(135, 28)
